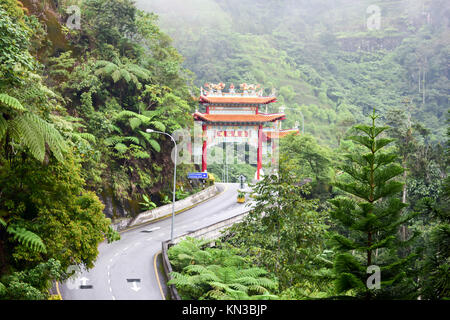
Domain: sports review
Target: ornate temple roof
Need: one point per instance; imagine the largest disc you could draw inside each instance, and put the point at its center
(236, 99)
(248, 94)
(239, 118)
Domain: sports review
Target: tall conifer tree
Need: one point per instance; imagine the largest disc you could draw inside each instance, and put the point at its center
(369, 219)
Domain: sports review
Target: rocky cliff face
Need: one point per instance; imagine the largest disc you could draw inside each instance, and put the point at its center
(47, 13)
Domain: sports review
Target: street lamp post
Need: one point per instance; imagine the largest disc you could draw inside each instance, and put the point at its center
(174, 176)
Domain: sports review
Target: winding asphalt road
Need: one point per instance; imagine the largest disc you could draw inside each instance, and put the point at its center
(125, 270)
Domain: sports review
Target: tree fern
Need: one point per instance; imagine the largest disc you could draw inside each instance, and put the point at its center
(204, 275)
(129, 72)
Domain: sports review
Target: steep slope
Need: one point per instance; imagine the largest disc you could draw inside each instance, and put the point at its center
(331, 60)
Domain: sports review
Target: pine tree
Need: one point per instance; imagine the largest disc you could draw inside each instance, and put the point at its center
(370, 219)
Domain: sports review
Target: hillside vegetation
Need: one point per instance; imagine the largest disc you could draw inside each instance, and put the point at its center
(366, 185)
(321, 56)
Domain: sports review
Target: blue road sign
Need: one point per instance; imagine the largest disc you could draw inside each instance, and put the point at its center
(198, 175)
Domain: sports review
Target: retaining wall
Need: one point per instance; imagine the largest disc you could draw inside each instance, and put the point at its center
(166, 210)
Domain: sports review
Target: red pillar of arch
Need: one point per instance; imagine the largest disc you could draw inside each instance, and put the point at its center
(259, 158)
(204, 150)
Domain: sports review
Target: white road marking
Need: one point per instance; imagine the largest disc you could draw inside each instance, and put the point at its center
(149, 239)
(125, 249)
(114, 298)
(137, 244)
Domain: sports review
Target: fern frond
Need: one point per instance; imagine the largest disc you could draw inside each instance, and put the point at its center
(139, 72)
(153, 143)
(179, 279)
(50, 134)
(216, 295)
(219, 285)
(266, 283)
(135, 123)
(239, 286)
(158, 125)
(11, 102)
(195, 268)
(121, 148)
(126, 114)
(124, 74)
(102, 63)
(247, 281)
(258, 289)
(234, 260)
(149, 113)
(266, 296)
(134, 140)
(88, 137)
(115, 128)
(252, 272)
(113, 140)
(27, 238)
(28, 134)
(236, 295)
(116, 75)
(3, 127)
(105, 68)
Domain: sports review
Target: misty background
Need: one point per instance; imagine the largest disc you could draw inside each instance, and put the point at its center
(323, 57)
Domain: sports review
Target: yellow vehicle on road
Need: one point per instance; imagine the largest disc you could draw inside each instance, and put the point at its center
(241, 197)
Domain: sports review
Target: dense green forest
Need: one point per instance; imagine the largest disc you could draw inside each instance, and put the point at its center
(74, 108)
(75, 104)
(320, 56)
